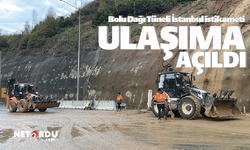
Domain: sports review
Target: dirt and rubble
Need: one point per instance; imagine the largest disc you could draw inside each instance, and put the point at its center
(82, 129)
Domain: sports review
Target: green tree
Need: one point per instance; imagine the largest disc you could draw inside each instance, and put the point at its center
(100, 17)
(24, 42)
(50, 24)
(3, 41)
(36, 40)
(65, 22)
(128, 7)
(42, 31)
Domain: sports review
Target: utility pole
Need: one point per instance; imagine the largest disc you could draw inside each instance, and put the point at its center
(78, 63)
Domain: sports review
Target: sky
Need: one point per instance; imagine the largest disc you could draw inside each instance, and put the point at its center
(14, 13)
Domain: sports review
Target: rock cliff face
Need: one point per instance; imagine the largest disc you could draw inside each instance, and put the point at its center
(130, 72)
(133, 72)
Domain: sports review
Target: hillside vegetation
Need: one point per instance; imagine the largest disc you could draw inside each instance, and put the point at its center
(58, 35)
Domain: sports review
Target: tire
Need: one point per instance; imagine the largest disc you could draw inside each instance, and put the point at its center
(189, 108)
(203, 112)
(42, 110)
(23, 106)
(155, 109)
(31, 110)
(166, 108)
(12, 106)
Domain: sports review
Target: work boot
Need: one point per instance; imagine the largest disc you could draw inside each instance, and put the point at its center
(165, 117)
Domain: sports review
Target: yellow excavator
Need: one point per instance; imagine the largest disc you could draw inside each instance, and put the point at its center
(24, 97)
(188, 101)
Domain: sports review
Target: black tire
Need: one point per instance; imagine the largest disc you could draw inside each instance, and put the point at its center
(23, 106)
(203, 112)
(32, 110)
(166, 108)
(12, 106)
(155, 109)
(42, 110)
(189, 108)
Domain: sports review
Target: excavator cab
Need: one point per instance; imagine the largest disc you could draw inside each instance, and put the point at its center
(30, 88)
(173, 82)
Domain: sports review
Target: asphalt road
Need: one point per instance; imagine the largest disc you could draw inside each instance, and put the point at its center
(92, 129)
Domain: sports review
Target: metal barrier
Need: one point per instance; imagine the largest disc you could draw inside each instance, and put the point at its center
(98, 104)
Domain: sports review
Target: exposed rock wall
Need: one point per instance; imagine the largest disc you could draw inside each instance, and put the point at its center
(130, 72)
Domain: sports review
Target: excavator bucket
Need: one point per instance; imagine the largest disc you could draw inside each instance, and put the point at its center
(223, 106)
(40, 105)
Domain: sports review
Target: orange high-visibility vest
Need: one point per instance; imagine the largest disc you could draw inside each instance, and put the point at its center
(119, 98)
(161, 97)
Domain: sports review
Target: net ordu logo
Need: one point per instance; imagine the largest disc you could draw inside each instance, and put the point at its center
(34, 134)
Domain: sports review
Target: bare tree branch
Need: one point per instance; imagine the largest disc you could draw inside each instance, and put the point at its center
(51, 12)
(34, 18)
(26, 28)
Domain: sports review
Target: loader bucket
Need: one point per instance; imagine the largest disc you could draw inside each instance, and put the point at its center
(223, 108)
(45, 105)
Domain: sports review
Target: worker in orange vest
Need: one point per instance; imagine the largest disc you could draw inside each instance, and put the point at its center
(119, 101)
(159, 99)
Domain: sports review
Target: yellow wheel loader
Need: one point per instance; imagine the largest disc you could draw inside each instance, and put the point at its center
(188, 101)
(23, 97)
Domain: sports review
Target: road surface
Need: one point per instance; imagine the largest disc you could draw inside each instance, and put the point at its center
(108, 130)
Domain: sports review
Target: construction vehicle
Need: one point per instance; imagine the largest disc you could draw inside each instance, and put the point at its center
(24, 97)
(188, 101)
